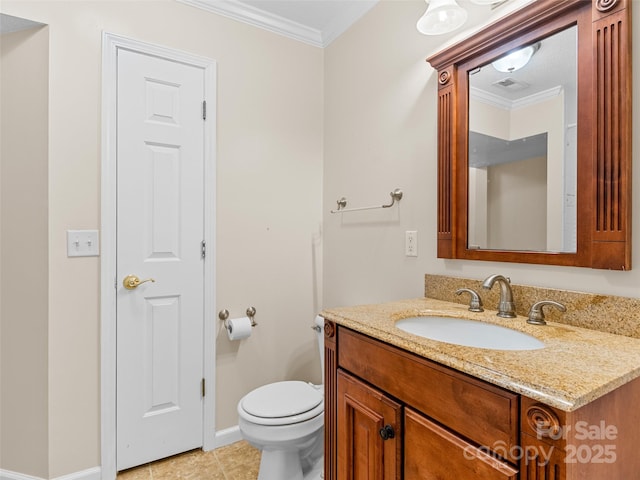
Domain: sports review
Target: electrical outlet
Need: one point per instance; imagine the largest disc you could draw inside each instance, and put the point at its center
(411, 243)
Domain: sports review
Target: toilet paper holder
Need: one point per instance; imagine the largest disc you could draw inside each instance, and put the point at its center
(224, 315)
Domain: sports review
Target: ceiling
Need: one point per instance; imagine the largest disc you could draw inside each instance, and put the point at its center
(9, 24)
(315, 22)
(553, 66)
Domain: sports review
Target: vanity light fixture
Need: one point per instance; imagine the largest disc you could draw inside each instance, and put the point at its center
(516, 60)
(442, 16)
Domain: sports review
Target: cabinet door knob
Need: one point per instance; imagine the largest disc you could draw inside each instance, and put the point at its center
(387, 432)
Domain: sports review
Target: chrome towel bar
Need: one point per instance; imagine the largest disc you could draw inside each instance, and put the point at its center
(396, 195)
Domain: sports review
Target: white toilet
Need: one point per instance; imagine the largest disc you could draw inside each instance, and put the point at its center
(286, 421)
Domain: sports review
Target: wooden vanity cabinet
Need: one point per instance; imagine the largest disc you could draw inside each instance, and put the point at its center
(372, 427)
(396, 415)
(391, 414)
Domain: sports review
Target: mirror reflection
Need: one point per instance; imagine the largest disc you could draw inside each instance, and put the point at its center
(523, 148)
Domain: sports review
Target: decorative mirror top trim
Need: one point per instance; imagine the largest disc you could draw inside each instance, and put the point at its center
(605, 5)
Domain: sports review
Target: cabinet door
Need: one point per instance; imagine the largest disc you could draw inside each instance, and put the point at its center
(369, 432)
(434, 453)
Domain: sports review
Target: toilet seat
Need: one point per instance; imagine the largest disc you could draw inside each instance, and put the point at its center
(282, 403)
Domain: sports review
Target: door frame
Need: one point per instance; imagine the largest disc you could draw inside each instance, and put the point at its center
(111, 43)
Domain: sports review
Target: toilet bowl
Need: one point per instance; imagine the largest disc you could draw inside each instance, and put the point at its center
(285, 420)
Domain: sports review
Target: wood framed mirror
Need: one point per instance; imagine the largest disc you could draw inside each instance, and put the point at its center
(541, 173)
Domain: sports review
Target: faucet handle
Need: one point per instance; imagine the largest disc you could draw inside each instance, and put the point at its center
(475, 304)
(536, 314)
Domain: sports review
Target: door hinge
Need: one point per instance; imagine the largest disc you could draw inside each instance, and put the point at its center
(203, 249)
(204, 109)
(202, 387)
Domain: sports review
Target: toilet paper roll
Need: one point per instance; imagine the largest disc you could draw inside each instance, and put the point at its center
(238, 328)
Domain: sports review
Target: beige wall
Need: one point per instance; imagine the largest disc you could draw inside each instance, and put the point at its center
(543, 117)
(279, 153)
(549, 116)
(513, 188)
(380, 133)
(23, 252)
(269, 186)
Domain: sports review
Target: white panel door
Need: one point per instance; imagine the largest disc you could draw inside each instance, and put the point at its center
(160, 218)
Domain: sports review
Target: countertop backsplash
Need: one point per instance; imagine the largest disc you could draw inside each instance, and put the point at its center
(606, 313)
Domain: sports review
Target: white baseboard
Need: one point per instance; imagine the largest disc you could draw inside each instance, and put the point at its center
(89, 474)
(9, 475)
(226, 437)
(222, 439)
(94, 473)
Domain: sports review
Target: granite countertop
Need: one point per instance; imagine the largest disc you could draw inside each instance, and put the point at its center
(576, 366)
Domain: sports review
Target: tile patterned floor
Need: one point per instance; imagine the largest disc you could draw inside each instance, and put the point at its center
(238, 461)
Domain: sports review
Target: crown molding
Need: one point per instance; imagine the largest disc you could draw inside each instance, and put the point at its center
(506, 104)
(248, 14)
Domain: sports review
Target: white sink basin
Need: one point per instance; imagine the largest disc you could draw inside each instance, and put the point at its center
(469, 333)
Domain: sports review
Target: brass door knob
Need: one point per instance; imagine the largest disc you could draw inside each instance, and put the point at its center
(131, 282)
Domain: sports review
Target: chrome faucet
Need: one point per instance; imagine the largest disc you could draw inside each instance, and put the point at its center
(536, 314)
(475, 303)
(506, 307)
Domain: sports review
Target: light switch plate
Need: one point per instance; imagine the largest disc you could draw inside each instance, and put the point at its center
(83, 243)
